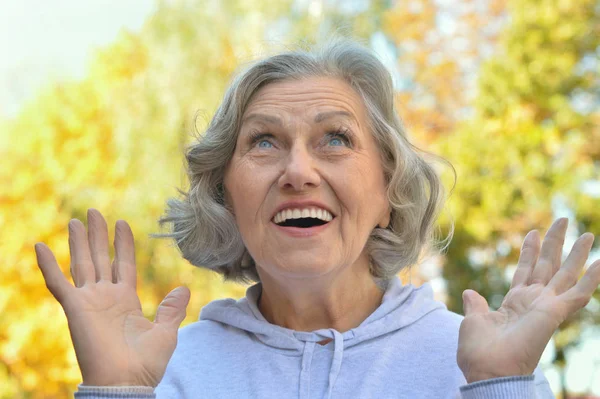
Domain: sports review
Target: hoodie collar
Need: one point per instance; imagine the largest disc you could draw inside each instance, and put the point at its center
(401, 305)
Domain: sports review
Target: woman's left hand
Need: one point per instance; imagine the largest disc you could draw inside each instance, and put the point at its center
(510, 341)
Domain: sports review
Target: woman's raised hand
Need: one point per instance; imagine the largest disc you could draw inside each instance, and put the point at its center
(510, 341)
(114, 343)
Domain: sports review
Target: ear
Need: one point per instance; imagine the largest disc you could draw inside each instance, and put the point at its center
(385, 219)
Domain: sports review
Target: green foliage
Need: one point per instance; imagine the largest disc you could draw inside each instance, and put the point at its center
(528, 143)
(114, 141)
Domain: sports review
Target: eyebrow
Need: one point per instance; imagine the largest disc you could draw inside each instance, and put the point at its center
(326, 115)
(264, 118)
(276, 121)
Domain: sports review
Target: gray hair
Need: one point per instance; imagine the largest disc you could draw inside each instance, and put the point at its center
(204, 228)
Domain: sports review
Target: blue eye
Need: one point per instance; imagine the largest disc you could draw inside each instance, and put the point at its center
(336, 141)
(264, 144)
(339, 139)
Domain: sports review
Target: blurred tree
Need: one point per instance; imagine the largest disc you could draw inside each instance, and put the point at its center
(112, 141)
(533, 142)
(440, 47)
(52, 166)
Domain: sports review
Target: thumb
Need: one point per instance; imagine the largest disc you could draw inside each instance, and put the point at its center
(473, 303)
(171, 310)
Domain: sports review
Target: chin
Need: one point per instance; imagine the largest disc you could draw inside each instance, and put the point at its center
(301, 267)
(304, 269)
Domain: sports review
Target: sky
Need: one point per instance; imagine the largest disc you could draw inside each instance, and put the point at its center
(45, 40)
(42, 41)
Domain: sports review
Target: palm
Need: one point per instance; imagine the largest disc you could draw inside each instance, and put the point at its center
(510, 341)
(114, 343)
(113, 311)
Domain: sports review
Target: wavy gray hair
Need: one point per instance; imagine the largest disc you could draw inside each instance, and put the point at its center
(204, 228)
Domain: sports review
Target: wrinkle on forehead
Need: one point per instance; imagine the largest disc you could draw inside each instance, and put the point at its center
(307, 97)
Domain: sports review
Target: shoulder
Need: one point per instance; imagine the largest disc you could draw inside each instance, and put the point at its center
(204, 328)
(203, 333)
(419, 307)
(440, 325)
(202, 359)
(207, 342)
(437, 319)
(444, 318)
(434, 334)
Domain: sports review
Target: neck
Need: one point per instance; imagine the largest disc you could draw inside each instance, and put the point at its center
(341, 302)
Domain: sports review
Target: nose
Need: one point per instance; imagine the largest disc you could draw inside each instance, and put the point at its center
(299, 172)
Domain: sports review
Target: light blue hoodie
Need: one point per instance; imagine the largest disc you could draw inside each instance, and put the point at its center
(405, 349)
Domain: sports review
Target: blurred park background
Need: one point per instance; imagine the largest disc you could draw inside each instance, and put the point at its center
(98, 100)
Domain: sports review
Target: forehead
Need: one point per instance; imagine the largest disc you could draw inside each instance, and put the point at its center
(308, 96)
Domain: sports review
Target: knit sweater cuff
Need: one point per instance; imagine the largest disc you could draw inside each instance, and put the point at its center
(516, 387)
(129, 392)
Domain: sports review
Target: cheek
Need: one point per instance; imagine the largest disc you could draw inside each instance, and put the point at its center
(247, 189)
(374, 175)
(365, 183)
(363, 192)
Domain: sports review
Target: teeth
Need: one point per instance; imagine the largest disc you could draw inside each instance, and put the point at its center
(316, 213)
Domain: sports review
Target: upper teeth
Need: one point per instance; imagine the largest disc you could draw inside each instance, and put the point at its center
(316, 213)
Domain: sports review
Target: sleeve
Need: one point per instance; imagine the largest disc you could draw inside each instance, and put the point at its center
(132, 392)
(534, 386)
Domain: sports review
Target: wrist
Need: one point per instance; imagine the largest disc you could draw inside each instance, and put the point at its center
(475, 377)
(471, 378)
(115, 384)
(121, 379)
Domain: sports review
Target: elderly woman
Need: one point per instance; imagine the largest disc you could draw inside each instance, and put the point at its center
(305, 183)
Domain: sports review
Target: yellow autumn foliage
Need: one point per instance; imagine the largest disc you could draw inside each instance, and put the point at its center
(115, 140)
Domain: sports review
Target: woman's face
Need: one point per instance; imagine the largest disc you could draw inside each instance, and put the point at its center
(304, 155)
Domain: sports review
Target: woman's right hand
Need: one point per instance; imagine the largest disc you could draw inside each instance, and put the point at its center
(114, 343)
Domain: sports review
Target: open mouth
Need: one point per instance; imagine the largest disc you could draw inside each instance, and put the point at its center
(306, 218)
(302, 222)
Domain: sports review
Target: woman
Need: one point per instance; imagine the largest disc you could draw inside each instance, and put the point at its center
(305, 182)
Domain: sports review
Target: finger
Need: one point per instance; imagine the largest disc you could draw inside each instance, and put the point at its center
(171, 310)
(98, 238)
(125, 269)
(473, 303)
(568, 274)
(82, 267)
(550, 254)
(57, 283)
(579, 295)
(114, 270)
(529, 254)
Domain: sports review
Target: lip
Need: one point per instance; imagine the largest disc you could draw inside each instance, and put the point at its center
(302, 204)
